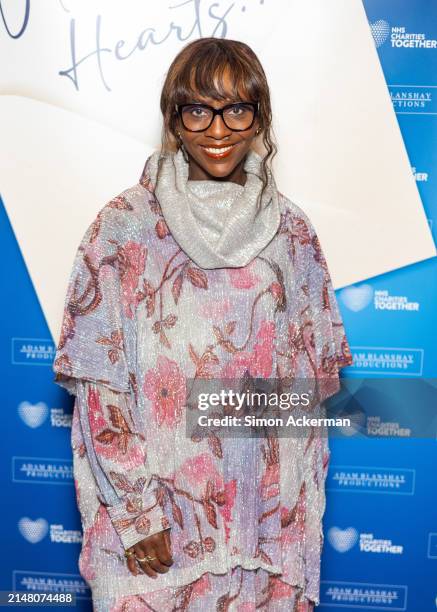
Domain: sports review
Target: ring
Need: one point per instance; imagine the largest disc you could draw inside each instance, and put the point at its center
(128, 553)
(146, 558)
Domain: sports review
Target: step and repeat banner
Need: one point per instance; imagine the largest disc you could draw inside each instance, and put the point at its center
(354, 97)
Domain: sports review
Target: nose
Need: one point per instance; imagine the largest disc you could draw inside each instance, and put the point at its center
(218, 128)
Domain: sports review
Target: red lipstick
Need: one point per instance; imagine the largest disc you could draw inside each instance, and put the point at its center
(228, 150)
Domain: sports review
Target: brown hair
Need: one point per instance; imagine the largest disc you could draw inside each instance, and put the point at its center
(199, 68)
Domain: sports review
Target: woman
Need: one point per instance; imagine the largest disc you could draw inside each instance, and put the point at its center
(201, 271)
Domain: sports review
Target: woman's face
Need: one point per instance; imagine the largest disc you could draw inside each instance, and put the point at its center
(230, 167)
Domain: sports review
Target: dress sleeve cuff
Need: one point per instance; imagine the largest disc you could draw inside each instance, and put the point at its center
(136, 518)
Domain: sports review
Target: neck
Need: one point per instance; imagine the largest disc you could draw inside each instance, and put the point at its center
(197, 173)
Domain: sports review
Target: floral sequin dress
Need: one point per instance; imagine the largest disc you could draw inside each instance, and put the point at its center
(140, 320)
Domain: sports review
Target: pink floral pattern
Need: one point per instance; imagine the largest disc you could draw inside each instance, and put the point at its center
(259, 361)
(165, 386)
(242, 591)
(243, 278)
(132, 260)
(142, 323)
(112, 435)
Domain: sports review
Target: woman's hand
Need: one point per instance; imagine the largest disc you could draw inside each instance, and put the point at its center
(158, 548)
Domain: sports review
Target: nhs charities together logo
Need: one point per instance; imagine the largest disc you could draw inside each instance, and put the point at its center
(342, 540)
(356, 298)
(33, 531)
(400, 37)
(33, 415)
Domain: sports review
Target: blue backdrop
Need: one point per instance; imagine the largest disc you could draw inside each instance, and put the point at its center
(381, 522)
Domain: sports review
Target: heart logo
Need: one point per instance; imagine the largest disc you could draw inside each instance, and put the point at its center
(33, 415)
(342, 540)
(357, 298)
(358, 422)
(33, 531)
(380, 30)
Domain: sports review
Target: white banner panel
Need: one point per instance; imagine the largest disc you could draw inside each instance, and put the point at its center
(79, 113)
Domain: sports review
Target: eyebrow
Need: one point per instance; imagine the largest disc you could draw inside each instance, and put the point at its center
(225, 103)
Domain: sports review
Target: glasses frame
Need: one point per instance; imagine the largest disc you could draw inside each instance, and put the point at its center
(217, 111)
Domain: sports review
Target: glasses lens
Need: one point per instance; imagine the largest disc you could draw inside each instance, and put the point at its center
(196, 117)
(236, 117)
(239, 116)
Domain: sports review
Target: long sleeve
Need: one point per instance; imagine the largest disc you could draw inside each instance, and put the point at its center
(315, 468)
(118, 458)
(96, 362)
(316, 462)
(330, 351)
(331, 346)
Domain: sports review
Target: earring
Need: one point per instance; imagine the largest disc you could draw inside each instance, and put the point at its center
(184, 151)
(257, 131)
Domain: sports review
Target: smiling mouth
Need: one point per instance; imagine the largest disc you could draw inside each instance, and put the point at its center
(218, 152)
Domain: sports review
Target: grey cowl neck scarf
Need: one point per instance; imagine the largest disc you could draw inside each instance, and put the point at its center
(215, 222)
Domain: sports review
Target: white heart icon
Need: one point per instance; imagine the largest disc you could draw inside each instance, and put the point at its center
(33, 415)
(358, 421)
(33, 531)
(342, 540)
(357, 298)
(380, 31)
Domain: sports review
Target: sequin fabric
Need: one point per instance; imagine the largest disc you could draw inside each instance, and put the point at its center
(211, 235)
(239, 589)
(140, 319)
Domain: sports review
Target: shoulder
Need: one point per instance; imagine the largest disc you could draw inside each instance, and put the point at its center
(294, 218)
(126, 217)
(303, 235)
